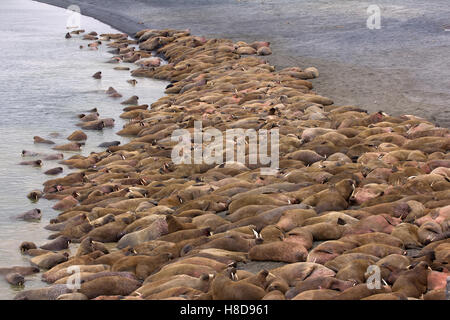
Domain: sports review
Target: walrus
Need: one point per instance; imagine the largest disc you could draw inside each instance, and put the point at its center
(354, 271)
(38, 139)
(91, 276)
(386, 296)
(34, 195)
(373, 237)
(319, 283)
(437, 280)
(142, 266)
(294, 218)
(133, 100)
(361, 291)
(110, 232)
(64, 272)
(47, 293)
(103, 220)
(154, 231)
(440, 294)
(27, 245)
(73, 261)
(254, 200)
(328, 250)
(174, 224)
(223, 288)
(112, 285)
(274, 295)
(97, 75)
(31, 215)
(202, 284)
(233, 242)
(27, 153)
(49, 260)
(392, 263)
(300, 271)
(88, 246)
(72, 296)
(248, 211)
(278, 251)
(378, 250)
(65, 203)
(60, 243)
(34, 163)
(15, 279)
(76, 218)
(408, 233)
(181, 235)
(109, 144)
(89, 117)
(73, 146)
(24, 271)
(201, 260)
(57, 156)
(413, 282)
(54, 171)
(317, 294)
(430, 231)
(170, 270)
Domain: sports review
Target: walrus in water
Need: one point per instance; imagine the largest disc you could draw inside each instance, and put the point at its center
(72, 146)
(89, 117)
(48, 293)
(141, 266)
(113, 285)
(224, 288)
(133, 100)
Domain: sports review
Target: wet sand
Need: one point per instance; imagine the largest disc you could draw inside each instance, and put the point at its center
(403, 68)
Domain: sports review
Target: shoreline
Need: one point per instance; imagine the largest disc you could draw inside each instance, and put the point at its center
(48, 110)
(330, 158)
(355, 70)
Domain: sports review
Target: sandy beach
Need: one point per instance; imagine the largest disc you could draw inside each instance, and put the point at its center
(400, 68)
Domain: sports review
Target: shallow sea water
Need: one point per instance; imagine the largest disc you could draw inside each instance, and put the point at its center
(45, 81)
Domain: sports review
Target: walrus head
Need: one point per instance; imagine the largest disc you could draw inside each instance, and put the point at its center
(25, 246)
(16, 279)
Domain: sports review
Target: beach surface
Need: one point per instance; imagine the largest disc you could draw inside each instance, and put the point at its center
(402, 68)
